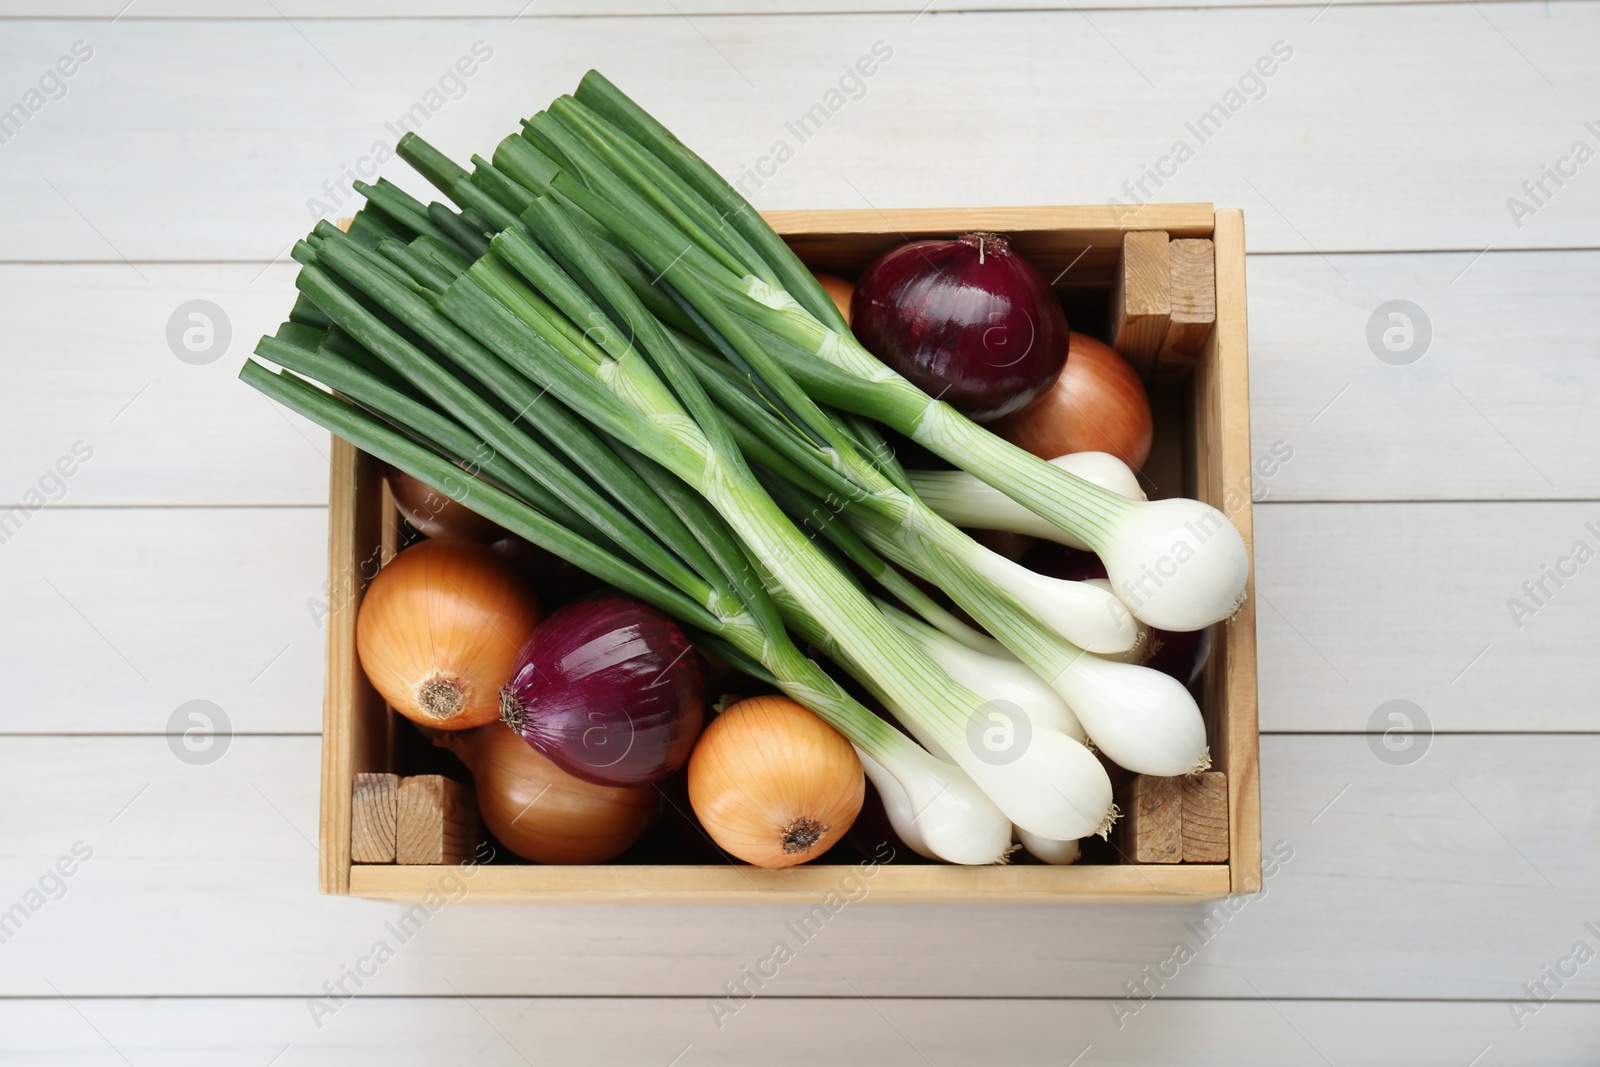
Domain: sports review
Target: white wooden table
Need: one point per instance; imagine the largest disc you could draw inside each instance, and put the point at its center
(182, 557)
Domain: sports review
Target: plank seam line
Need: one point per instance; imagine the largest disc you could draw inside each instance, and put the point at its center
(876, 12)
(965, 997)
(1434, 733)
(1261, 253)
(172, 507)
(89, 734)
(1271, 503)
(135, 733)
(1412, 500)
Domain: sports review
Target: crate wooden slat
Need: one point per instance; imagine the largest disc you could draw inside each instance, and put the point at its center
(722, 884)
(1205, 817)
(434, 821)
(1193, 299)
(1141, 299)
(374, 807)
(1205, 444)
(1220, 397)
(354, 719)
(1151, 829)
(1075, 247)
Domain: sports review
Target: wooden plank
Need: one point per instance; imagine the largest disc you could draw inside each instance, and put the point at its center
(1194, 308)
(1477, 646)
(1152, 821)
(161, 431)
(1363, 429)
(435, 822)
(132, 612)
(1141, 298)
(238, 582)
(780, 1030)
(374, 815)
(1205, 817)
(1317, 388)
(1351, 912)
(698, 885)
(1326, 113)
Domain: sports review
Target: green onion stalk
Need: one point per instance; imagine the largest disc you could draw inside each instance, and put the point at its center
(1167, 558)
(575, 272)
(940, 808)
(490, 292)
(1178, 564)
(673, 420)
(1086, 614)
(1090, 616)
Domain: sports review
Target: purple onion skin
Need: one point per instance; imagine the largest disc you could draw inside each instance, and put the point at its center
(1182, 654)
(969, 321)
(609, 689)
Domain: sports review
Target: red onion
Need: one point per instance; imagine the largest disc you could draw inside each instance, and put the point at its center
(1180, 653)
(969, 321)
(608, 688)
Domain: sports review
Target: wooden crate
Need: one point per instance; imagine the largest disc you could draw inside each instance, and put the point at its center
(1202, 449)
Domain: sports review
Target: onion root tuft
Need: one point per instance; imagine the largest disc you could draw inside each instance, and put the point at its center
(441, 695)
(802, 835)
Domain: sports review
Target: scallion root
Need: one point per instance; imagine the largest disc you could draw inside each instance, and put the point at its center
(1104, 829)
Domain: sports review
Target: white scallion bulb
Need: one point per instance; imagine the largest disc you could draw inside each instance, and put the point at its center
(1143, 720)
(945, 811)
(1177, 564)
(1003, 682)
(1058, 853)
(1090, 617)
(1046, 782)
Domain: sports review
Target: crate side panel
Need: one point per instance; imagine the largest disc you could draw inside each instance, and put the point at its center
(1222, 424)
(354, 727)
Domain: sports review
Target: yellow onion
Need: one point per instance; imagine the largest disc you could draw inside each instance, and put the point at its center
(773, 784)
(541, 812)
(439, 631)
(433, 514)
(839, 291)
(1096, 404)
